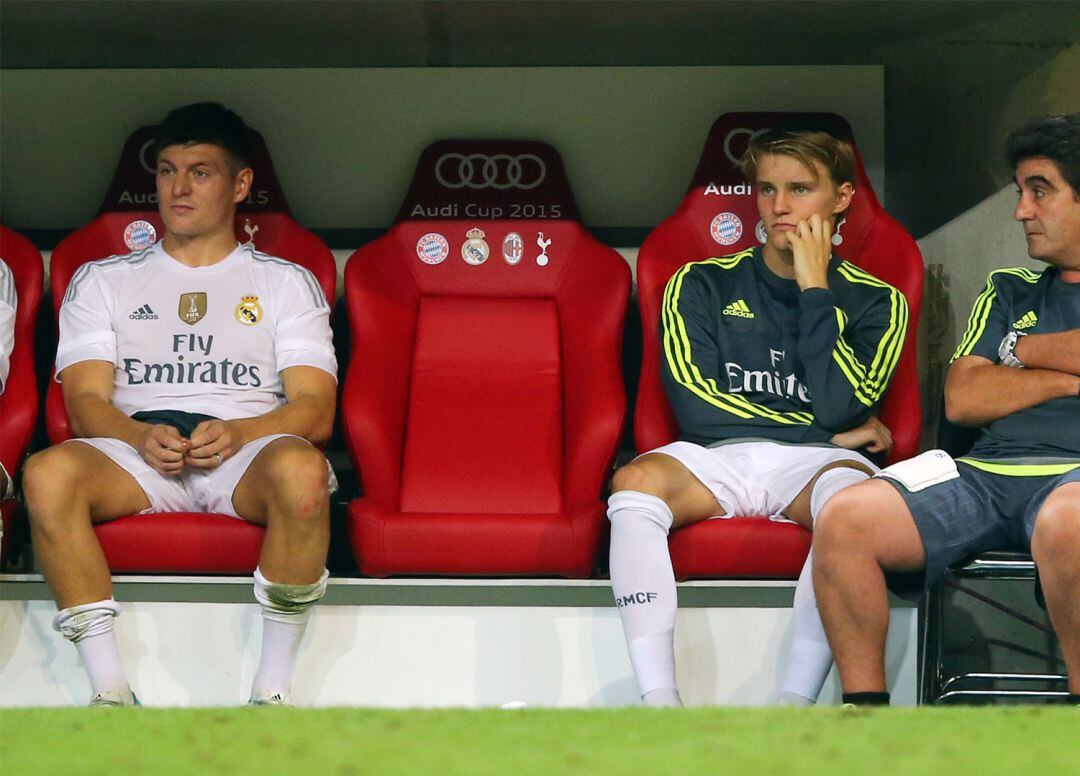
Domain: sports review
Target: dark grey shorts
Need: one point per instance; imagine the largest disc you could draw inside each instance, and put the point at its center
(976, 512)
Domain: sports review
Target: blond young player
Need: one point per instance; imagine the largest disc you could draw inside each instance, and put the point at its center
(775, 360)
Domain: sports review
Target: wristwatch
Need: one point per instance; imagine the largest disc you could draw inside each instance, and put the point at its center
(1007, 349)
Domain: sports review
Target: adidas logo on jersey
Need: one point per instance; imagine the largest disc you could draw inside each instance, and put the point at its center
(144, 313)
(739, 309)
(1028, 320)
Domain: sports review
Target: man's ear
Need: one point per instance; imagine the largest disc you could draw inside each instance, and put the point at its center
(844, 192)
(242, 184)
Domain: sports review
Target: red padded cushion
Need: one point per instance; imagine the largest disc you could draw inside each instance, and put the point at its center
(506, 425)
(483, 404)
(871, 239)
(181, 542)
(19, 401)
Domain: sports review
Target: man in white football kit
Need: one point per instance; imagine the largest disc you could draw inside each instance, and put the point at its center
(198, 375)
(8, 305)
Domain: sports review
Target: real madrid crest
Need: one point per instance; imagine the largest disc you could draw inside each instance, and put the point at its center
(249, 311)
(475, 251)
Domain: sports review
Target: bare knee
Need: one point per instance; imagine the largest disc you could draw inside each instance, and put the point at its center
(298, 480)
(642, 476)
(1057, 527)
(50, 480)
(843, 523)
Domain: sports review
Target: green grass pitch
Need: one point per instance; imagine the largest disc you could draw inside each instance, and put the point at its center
(265, 741)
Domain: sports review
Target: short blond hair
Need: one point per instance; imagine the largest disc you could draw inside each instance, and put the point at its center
(835, 155)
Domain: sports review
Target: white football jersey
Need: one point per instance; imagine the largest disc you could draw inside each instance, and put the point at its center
(8, 303)
(210, 340)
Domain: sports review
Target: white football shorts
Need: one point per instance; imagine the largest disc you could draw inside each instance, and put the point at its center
(758, 477)
(193, 490)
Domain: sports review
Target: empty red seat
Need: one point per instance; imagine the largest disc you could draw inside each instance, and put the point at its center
(182, 542)
(719, 216)
(483, 402)
(19, 401)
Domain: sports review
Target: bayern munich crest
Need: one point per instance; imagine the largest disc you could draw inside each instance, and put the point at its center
(432, 248)
(726, 228)
(139, 235)
(475, 251)
(513, 248)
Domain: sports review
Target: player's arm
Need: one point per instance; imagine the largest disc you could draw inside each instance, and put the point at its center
(87, 388)
(850, 361)
(689, 353)
(308, 412)
(978, 391)
(1059, 351)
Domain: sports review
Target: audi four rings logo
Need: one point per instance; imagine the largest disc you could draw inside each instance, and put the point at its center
(750, 133)
(144, 160)
(498, 171)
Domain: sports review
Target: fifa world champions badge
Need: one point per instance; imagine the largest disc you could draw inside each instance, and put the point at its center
(726, 228)
(475, 251)
(249, 312)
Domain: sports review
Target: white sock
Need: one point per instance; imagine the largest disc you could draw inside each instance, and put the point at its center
(90, 628)
(644, 586)
(811, 659)
(285, 613)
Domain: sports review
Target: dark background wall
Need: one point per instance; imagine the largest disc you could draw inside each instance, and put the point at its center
(958, 75)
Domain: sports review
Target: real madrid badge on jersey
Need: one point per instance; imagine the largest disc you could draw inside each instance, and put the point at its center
(192, 308)
(249, 312)
(475, 251)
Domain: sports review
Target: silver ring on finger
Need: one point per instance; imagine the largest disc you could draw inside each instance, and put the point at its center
(218, 456)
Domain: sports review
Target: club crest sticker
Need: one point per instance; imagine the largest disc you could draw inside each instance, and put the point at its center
(475, 251)
(543, 244)
(249, 311)
(726, 228)
(513, 248)
(192, 308)
(139, 235)
(760, 232)
(432, 248)
(250, 230)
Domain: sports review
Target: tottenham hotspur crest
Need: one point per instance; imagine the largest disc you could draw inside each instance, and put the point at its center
(249, 311)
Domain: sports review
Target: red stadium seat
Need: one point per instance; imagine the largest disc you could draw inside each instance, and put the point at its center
(718, 217)
(19, 401)
(483, 403)
(181, 542)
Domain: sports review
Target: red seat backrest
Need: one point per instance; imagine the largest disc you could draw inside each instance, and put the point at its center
(469, 387)
(719, 216)
(128, 221)
(19, 401)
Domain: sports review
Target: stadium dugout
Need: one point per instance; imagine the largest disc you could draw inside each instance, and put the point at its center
(476, 255)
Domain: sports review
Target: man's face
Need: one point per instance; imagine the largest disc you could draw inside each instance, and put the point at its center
(789, 192)
(197, 191)
(1050, 213)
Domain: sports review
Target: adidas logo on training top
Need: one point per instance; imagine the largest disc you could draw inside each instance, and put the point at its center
(1028, 320)
(739, 309)
(144, 313)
